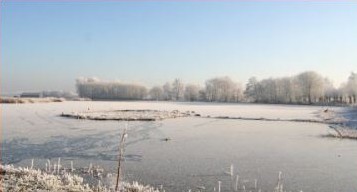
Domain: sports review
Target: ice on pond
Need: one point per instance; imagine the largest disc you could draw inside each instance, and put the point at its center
(199, 151)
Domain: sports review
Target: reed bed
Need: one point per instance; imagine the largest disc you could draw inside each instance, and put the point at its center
(18, 100)
(127, 115)
(58, 179)
(238, 184)
(343, 132)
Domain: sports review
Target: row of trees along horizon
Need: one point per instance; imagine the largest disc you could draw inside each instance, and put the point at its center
(304, 88)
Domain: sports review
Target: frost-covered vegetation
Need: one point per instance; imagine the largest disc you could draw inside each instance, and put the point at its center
(128, 115)
(237, 185)
(221, 89)
(103, 90)
(63, 180)
(343, 132)
(344, 123)
(304, 88)
(60, 94)
(28, 179)
(30, 100)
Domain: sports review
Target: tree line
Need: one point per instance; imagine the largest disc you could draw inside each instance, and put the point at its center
(304, 88)
(96, 89)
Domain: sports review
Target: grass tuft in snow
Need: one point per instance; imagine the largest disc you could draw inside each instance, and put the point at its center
(27, 179)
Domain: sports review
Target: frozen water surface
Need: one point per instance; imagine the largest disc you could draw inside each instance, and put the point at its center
(199, 151)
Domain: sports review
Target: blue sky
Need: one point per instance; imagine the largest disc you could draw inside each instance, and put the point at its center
(47, 45)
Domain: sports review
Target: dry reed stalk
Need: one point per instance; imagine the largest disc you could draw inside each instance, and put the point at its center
(121, 153)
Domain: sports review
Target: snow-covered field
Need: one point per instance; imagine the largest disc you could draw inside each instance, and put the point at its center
(200, 150)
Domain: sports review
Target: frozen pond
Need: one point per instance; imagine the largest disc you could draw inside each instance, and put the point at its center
(200, 150)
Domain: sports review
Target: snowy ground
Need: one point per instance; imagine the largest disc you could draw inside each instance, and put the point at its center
(30, 119)
(200, 150)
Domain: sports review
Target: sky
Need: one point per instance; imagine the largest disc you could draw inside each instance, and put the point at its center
(47, 45)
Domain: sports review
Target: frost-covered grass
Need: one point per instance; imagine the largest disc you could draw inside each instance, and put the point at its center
(344, 122)
(241, 186)
(343, 132)
(127, 115)
(29, 179)
(14, 100)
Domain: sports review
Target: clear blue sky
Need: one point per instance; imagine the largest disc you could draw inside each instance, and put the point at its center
(45, 46)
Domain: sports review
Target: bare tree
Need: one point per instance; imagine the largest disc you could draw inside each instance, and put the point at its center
(350, 88)
(222, 89)
(192, 92)
(156, 93)
(167, 91)
(330, 92)
(251, 90)
(177, 89)
(311, 85)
